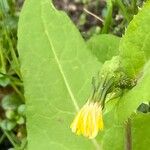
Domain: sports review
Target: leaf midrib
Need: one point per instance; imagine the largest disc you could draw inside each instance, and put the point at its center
(94, 141)
(59, 64)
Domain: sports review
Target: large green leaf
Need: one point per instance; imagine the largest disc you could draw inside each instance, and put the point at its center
(134, 46)
(114, 138)
(104, 46)
(57, 70)
(141, 132)
(133, 98)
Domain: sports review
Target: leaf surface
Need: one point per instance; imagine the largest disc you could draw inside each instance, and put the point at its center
(141, 132)
(57, 70)
(134, 46)
(114, 138)
(104, 46)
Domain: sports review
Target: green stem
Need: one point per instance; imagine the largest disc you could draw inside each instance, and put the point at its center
(14, 57)
(17, 91)
(12, 50)
(10, 139)
(2, 138)
(124, 10)
(108, 18)
(2, 59)
(15, 80)
(133, 5)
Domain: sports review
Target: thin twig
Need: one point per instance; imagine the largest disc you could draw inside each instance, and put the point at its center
(90, 13)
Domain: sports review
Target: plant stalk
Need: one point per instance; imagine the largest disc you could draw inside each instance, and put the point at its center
(124, 10)
(128, 135)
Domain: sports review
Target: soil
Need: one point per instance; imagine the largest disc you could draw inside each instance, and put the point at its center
(75, 11)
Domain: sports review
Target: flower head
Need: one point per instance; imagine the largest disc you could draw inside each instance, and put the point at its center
(88, 120)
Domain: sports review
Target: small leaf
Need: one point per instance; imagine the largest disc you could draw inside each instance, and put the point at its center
(20, 120)
(7, 124)
(10, 114)
(10, 101)
(21, 110)
(4, 81)
(104, 46)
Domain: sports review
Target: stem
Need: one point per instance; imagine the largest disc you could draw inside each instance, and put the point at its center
(124, 10)
(17, 91)
(108, 18)
(2, 58)
(2, 138)
(11, 48)
(10, 139)
(14, 57)
(133, 5)
(128, 136)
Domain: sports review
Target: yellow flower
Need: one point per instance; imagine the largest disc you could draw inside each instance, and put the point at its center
(88, 120)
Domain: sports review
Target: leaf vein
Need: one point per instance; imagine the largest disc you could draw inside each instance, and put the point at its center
(59, 65)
